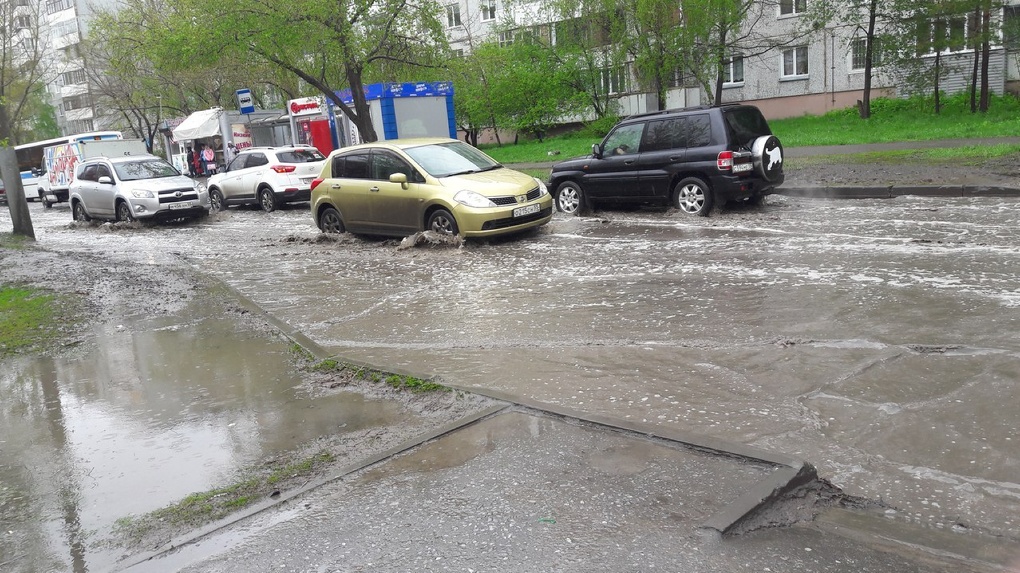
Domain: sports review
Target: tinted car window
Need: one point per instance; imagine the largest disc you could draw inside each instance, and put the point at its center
(746, 124)
(385, 164)
(103, 171)
(300, 156)
(355, 166)
(256, 160)
(144, 169)
(88, 173)
(698, 129)
(663, 134)
(624, 140)
(237, 163)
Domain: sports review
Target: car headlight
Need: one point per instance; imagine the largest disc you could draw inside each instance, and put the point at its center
(142, 194)
(472, 199)
(199, 187)
(542, 191)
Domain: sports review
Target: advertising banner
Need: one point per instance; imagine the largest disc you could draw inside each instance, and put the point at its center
(241, 136)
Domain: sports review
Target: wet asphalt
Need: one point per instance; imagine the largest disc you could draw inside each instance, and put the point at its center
(713, 332)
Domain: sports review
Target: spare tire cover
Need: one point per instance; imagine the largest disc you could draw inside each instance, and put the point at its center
(768, 156)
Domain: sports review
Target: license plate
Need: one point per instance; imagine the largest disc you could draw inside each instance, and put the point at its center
(741, 167)
(180, 205)
(522, 211)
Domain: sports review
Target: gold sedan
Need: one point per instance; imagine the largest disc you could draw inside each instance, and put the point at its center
(400, 187)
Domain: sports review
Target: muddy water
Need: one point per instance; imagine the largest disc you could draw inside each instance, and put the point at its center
(876, 339)
(158, 409)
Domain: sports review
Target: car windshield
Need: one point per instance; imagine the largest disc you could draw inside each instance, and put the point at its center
(300, 156)
(144, 169)
(454, 158)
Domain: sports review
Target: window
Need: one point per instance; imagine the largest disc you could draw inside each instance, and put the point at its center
(77, 102)
(457, 53)
(256, 160)
(1011, 27)
(22, 22)
(858, 54)
(795, 64)
(54, 6)
(352, 166)
(488, 10)
(943, 34)
(614, 80)
(505, 38)
(385, 164)
(624, 140)
(80, 126)
(733, 70)
(452, 15)
(73, 77)
(663, 135)
(65, 28)
(698, 129)
(791, 7)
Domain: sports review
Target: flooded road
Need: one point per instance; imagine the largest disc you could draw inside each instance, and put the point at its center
(875, 339)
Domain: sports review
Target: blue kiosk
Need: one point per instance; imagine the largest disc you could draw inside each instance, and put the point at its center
(401, 110)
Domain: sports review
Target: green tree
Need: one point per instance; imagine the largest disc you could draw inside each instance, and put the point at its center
(327, 44)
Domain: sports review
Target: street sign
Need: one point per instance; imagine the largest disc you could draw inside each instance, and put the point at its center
(245, 103)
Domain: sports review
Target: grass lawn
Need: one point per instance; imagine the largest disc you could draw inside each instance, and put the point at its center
(892, 120)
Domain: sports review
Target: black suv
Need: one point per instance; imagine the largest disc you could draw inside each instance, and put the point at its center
(691, 158)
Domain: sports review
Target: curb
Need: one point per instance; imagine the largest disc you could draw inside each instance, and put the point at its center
(891, 191)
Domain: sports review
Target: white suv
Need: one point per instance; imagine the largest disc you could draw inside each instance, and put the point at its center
(134, 187)
(267, 176)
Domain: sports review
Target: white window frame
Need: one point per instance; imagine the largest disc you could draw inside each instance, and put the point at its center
(505, 38)
(795, 10)
(853, 53)
(799, 54)
(729, 67)
(453, 15)
(488, 8)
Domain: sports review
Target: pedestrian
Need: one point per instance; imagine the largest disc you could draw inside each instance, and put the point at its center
(190, 159)
(209, 158)
(196, 160)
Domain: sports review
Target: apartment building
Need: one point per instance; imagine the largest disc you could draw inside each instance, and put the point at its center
(784, 70)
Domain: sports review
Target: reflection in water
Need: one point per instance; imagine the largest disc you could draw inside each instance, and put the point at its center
(155, 411)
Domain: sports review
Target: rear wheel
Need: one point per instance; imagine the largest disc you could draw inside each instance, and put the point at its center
(693, 196)
(330, 221)
(124, 212)
(79, 213)
(442, 222)
(267, 200)
(570, 198)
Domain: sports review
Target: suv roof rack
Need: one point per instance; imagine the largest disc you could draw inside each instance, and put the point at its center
(682, 109)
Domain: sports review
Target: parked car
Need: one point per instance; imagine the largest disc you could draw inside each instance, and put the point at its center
(400, 187)
(267, 176)
(3, 193)
(134, 187)
(692, 158)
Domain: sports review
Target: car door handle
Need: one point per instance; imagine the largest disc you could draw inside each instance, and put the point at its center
(675, 158)
(373, 189)
(334, 186)
(628, 162)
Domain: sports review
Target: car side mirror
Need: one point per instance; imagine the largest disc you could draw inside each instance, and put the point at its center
(399, 178)
(105, 180)
(596, 151)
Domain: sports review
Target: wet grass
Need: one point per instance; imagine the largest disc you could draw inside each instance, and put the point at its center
(206, 506)
(397, 381)
(30, 318)
(12, 241)
(893, 119)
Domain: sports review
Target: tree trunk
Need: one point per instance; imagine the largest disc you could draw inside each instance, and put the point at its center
(974, 71)
(363, 116)
(10, 174)
(986, 17)
(938, 74)
(869, 59)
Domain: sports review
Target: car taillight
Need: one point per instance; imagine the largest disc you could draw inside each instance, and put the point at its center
(725, 160)
(315, 182)
(283, 168)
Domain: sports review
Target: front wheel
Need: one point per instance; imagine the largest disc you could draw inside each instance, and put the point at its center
(330, 221)
(570, 198)
(216, 200)
(79, 213)
(124, 212)
(442, 222)
(693, 196)
(267, 200)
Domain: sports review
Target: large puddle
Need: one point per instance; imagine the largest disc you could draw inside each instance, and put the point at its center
(156, 410)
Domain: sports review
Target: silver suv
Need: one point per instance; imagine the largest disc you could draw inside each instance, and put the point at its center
(134, 187)
(267, 176)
